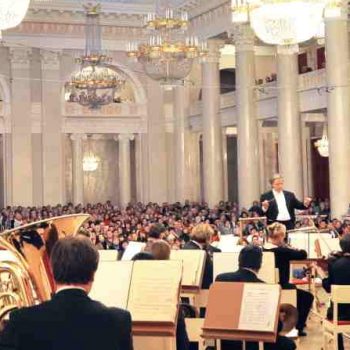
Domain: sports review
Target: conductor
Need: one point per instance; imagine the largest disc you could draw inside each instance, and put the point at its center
(279, 205)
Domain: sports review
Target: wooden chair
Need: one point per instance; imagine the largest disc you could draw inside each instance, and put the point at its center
(331, 328)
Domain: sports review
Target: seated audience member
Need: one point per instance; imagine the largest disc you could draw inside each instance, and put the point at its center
(155, 234)
(200, 239)
(160, 250)
(71, 320)
(283, 255)
(339, 274)
(249, 262)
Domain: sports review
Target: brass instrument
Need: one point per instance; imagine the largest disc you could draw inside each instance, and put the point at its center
(25, 273)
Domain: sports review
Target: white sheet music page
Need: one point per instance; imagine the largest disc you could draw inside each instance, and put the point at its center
(259, 307)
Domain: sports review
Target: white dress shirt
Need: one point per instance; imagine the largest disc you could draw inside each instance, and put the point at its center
(283, 214)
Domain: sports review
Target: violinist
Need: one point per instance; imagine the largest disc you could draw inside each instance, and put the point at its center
(283, 255)
(339, 274)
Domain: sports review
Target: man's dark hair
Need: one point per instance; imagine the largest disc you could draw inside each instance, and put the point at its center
(250, 257)
(345, 243)
(156, 230)
(74, 260)
(143, 256)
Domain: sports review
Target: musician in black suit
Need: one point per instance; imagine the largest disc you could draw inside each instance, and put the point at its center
(249, 262)
(71, 320)
(283, 255)
(339, 274)
(279, 205)
(200, 239)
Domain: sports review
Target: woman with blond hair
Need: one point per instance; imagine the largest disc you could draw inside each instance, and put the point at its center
(283, 255)
(201, 236)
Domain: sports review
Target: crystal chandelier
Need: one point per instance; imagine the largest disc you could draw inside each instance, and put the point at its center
(322, 144)
(169, 53)
(96, 83)
(12, 13)
(284, 22)
(90, 161)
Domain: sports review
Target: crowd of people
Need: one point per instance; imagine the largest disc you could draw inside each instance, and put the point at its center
(109, 227)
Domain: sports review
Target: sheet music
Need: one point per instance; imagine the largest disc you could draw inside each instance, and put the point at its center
(328, 244)
(154, 291)
(132, 249)
(108, 255)
(228, 243)
(193, 263)
(306, 241)
(228, 262)
(259, 307)
(112, 283)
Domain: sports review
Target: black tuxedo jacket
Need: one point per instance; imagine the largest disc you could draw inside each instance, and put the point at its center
(208, 268)
(70, 321)
(283, 256)
(338, 274)
(291, 201)
(241, 275)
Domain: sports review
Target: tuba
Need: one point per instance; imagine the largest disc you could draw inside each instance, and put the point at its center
(25, 273)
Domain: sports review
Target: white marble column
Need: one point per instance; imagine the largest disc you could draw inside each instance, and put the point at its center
(78, 172)
(124, 168)
(52, 138)
(289, 124)
(338, 110)
(181, 101)
(247, 125)
(212, 133)
(156, 144)
(22, 169)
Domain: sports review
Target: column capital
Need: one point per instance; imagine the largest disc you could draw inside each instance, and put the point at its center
(336, 12)
(78, 137)
(50, 60)
(20, 57)
(287, 49)
(124, 137)
(214, 46)
(243, 37)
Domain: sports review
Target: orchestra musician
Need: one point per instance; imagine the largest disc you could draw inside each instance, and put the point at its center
(339, 274)
(71, 320)
(279, 205)
(249, 262)
(283, 255)
(200, 239)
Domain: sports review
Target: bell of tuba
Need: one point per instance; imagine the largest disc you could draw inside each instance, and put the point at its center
(25, 273)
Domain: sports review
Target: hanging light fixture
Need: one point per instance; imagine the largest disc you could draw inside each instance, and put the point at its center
(322, 144)
(90, 160)
(96, 83)
(170, 51)
(284, 22)
(12, 13)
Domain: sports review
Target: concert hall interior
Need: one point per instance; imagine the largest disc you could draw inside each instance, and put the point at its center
(174, 175)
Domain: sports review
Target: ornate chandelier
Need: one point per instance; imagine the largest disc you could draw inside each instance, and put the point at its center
(90, 163)
(12, 13)
(169, 53)
(284, 22)
(96, 83)
(322, 144)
